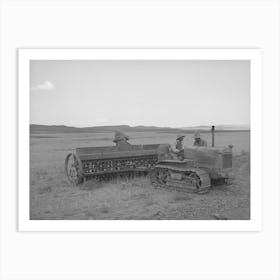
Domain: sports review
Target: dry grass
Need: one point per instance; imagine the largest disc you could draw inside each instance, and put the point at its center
(182, 197)
(44, 189)
(52, 197)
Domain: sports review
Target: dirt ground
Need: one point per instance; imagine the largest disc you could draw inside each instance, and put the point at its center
(52, 198)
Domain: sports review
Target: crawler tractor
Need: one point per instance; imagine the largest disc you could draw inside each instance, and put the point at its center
(200, 168)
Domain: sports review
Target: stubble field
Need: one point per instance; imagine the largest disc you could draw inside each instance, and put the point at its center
(52, 198)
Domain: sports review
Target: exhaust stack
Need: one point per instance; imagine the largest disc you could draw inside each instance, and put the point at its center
(213, 135)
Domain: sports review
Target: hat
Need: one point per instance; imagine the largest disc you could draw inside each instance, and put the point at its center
(179, 136)
(119, 136)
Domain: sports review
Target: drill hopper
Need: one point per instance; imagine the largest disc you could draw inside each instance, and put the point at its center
(107, 162)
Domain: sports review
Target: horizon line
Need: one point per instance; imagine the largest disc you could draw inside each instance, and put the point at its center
(139, 125)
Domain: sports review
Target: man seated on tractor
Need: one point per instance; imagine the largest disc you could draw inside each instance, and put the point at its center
(174, 152)
(198, 141)
(178, 150)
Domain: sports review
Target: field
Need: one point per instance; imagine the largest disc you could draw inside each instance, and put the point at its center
(52, 198)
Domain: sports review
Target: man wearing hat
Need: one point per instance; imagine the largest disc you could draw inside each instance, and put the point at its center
(121, 140)
(120, 136)
(198, 141)
(179, 148)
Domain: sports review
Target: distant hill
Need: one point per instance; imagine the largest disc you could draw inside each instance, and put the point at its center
(45, 129)
(34, 128)
(220, 127)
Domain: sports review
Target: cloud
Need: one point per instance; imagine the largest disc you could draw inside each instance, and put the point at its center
(46, 85)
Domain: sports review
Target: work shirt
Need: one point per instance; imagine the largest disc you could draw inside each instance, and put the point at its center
(177, 147)
(178, 150)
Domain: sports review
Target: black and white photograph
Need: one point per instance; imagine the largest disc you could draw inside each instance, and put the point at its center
(140, 139)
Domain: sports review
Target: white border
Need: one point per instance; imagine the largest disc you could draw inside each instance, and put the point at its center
(24, 57)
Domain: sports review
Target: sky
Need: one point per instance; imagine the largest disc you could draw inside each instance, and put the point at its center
(153, 93)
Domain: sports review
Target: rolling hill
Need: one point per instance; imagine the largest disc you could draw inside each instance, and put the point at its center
(45, 129)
